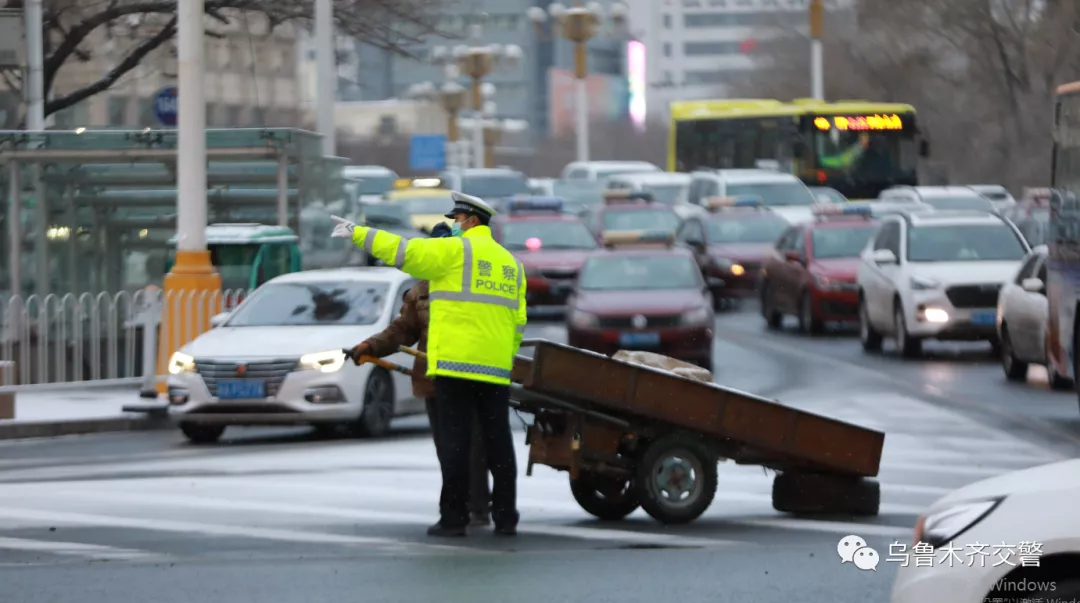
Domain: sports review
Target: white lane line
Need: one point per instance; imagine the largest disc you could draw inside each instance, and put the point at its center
(203, 502)
(188, 527)
(90, 551)
(832, 527)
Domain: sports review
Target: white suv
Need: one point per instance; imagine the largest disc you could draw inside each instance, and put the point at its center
(782, 193)
(935, 275)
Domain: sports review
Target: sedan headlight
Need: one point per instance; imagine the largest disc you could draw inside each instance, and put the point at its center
(326, 362)
(582, 320)
(696, 317)
(923, 284)
(944, 526)
(181, 363)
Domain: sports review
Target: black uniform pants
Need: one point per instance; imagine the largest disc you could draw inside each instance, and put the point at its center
(458, 400)
(479, 491)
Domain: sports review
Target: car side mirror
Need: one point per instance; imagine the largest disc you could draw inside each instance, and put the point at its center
(1033, 285)
(793, 256)
(924, 148)
(883, 257)
(219, 319)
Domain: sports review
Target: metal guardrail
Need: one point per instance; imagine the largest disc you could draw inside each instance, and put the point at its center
(104, 337)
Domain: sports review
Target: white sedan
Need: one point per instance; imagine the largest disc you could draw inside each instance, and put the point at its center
(277, 358)
(1021, 321)
(1014, 537)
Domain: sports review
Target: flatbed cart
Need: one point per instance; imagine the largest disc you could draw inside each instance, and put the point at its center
(633, 436)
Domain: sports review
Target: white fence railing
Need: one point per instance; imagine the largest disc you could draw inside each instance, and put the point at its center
(107, 336)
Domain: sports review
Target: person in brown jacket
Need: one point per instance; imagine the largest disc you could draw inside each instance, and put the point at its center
(409, 328)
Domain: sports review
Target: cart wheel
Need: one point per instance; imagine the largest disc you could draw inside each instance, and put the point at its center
(608, 498)
(811, 493)
(676, 479)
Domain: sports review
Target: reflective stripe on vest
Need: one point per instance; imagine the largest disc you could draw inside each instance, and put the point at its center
(465, 295)
(476, 369)
(399, 255)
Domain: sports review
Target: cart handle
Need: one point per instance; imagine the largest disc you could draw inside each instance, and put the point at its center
(386, 364)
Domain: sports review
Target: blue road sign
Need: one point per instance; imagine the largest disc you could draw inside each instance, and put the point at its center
(427, 152)
(165, 107)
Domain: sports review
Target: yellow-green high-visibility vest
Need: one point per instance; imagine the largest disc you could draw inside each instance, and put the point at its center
(477, 292)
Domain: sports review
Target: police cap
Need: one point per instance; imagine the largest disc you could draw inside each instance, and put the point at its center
(468, 204)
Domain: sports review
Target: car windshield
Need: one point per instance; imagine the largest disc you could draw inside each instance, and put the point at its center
(436, 204)
(640, 219)
(235, 263)
(960, 202)
(746, 230)
(562, 234)
(578, 194)
(774, 194)
(640, 271)
(495, 185)
(604, 172)
(837, 242)
(312, 304)
(964, 243)
(668, 194)
(374, 185)
(832, 194)
(385, 214)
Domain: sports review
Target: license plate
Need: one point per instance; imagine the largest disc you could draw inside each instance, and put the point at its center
(639, 339)
(987, 317)
(241, 389)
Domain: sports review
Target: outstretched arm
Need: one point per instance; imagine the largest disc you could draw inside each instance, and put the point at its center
(423, 258)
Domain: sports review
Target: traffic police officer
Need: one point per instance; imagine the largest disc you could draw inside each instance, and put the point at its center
(477, 321)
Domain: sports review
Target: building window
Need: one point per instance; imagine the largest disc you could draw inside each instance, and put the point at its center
(765, 19)
(232, 116)
(698, 49)
(718, 3)
(667, 21)
(118, 110)
(698, 78)
(667, 49)
(691, 4)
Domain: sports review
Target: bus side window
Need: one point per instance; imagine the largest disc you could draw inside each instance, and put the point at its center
(276, 260)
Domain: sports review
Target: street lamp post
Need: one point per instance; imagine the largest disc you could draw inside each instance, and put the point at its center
(579, 24)
(477, 61)
(817, 67)
(451, 97)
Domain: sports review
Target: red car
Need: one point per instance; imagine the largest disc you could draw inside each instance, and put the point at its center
(625, 211)
(811, 271)
(642, 294)
(551, 244)
(730, 243)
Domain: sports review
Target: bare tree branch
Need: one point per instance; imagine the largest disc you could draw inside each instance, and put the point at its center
(70, 27)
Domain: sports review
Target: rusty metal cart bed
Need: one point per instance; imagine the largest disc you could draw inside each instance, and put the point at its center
(630, 435)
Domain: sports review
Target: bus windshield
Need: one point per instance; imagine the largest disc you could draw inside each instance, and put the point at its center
(885, 158)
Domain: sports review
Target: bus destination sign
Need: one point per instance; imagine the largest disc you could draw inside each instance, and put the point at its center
(860, 123)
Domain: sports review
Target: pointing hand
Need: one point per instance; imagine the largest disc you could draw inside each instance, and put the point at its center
(343, 229)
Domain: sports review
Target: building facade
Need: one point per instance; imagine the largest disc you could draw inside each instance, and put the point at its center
(251, 78)
(697, 49)
(524, 92)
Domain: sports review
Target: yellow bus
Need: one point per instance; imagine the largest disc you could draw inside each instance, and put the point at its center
(856, 147)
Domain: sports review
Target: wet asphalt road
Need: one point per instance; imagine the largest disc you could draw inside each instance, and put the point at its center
(284, 516)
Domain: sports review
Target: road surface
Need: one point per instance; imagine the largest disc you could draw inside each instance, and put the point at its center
(282, 516)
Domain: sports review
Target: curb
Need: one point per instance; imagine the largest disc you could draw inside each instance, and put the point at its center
(49, 429)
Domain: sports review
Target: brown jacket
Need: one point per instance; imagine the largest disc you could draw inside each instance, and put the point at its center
(410, 328)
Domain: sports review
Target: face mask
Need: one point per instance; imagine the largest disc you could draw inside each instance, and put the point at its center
(455, 229)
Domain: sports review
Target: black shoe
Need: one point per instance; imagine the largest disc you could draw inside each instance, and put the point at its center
(506, 529)
(441, 531)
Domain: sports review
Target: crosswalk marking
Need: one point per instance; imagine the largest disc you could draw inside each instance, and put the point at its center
(188, 527)
(363, 495)
(78, 549)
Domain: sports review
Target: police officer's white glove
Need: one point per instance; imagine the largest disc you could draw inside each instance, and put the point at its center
(343, 229)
